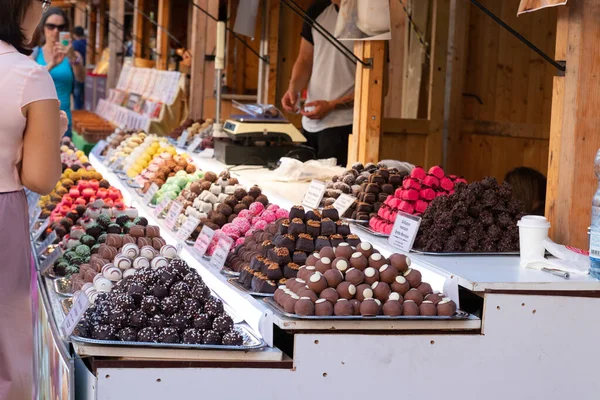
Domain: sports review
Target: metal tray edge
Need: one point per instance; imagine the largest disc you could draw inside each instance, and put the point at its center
(234, 282)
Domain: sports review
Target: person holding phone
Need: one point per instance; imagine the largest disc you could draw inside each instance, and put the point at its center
(60, 59)
(30, 134)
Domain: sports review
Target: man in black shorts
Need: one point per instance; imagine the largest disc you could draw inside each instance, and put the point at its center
(329, 77)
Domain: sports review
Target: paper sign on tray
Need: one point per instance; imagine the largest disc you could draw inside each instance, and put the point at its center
(150, 193)
(52, 257)
(404, 232)
(173, 214)
(314, 194)
(221, 252)
(189, 226)
(47, 242)
(343, 203)
(204, 239)
(72, 319)
(183, 138)
(161, 206)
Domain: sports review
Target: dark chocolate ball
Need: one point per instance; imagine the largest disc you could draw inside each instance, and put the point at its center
(191, 336)
(323, 308)
(359, 261)
(150, 305)
(344, 250)
(304, 306)
(211, 337)
(400, 262)
(148, 335)
(427, 308)
(413, 277)
(168, 335)
(202, 322)
(213, 307)
(369, 308)
(128, 334)
(233, 338)
(222, 324)
(158, 321)
(410, 308)
(343, 308)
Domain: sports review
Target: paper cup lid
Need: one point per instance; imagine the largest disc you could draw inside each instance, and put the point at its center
(533, 221)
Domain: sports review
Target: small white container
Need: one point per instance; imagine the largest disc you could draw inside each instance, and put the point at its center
(533, 230)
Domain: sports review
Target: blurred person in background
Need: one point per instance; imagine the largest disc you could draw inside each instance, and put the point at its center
(529, 186)
(80, 46)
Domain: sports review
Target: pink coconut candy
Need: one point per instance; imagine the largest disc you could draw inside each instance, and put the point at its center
(282, 213)
(256, 208)
(261, 225)
(269, 217)
(245, 214)
(241, 224)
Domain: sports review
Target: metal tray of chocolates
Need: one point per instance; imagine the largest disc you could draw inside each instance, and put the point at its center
(360, 225)
(62, 286)
(234, 282)
(460, 315)
(251, 342)
(66, 305)
(476, 253)
(229, 272)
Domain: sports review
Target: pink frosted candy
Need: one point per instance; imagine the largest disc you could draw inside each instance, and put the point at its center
(256, 208)
(231, 230)
(245, 214)
(250, 232)
(241, 224)
(238, 242)
(262, 224)
(255, 220)
(273, 207)
(269, 216)
(282, 213)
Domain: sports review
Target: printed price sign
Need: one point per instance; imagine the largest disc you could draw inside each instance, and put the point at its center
(79, 308)
(52, 257)
(204, 239)
(343, 203)
(41, 230)
(172, 214)
(183, 139)
(314, 194)
(404, 232)
(189, 226)
(99, 148)
(150, 193)
(221, 251)
(34, 213)
(194, 145)
(47, 242)
(161, 206)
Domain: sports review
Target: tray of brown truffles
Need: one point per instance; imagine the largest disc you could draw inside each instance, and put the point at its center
(267, 258)
(478, 219)
(356, 282)
(169, 306)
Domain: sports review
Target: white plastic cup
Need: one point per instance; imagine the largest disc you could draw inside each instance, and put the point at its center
(533, 230)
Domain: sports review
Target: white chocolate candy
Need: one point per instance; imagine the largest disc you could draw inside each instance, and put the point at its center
(86, 286)
(122, 262)
(216, 189)
(222, 197)
(130, 250)
(148, 252)
(92, 296)
(140, 262)
(105, 267)
(113, 274)
(394, 296)
(158, 262)
(229, 189)
(102, 284)
(132, 213)
(211, 198)
(168, 251)
(128, 273)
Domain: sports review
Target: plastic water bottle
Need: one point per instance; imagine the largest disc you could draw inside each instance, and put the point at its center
(595, 227)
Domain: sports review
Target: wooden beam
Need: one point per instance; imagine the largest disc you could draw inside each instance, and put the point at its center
(505, 129)
(572, 181)
(197, 48)
(406, 126)
(437, 82)
(101, 31)
(138, 28)
(415, 57)
(368, 99)
(115, 41)
(273, 96)
(92, 33)
(162, 39)
(212, 7)
(80, 14)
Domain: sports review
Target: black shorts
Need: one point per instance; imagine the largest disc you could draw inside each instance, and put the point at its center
(330, 142)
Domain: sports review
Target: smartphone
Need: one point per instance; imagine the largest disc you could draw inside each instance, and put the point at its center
(64, 38)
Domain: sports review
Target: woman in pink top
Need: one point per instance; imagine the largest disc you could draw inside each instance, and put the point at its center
(30, 130)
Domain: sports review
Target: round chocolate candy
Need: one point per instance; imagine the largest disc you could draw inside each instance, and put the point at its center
(333, 277)
(392, 308)
(356, 304)
(341, 264)
(312, 259)
(364, 291)
(305, 272)
(365, 248)
(425, 288)
(346, 290)
(428, 308)
(377, 261)
(317, 283)
(355, 276)
(446, 307)
(414, 295)
(306, 292)
(343, 308)
(369, 308)
(323, 308)
(324, 264)
(130, 250)
(290, 303)
(330, 294)
(413, 277)
(435, 298)
(371, 275)
(396, 296)
(388, 274)
(359, 261)
(381, 291)
(400, 262)
(410, 308)
(304, 306)
(344, 250)
(400, 285)
(328, 252)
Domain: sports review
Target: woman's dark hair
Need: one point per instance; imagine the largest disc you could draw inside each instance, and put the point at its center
(51, 11)
(11, 17)
(529, 186)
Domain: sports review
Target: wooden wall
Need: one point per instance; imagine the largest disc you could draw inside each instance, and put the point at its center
(506, 94)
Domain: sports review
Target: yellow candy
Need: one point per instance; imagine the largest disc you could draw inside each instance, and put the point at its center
(79, 153)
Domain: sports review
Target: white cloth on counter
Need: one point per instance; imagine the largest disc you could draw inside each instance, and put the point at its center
(292, 170)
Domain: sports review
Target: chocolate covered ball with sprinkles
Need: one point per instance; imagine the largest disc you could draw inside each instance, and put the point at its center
(222, 324)
(213, 307)
(211, 337)
(233, 338)
(191, 336)
(202, 322)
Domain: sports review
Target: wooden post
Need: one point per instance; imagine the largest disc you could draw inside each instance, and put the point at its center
(138, 28)
(437, 82)
(197, 48)
(574, 138)
(368, 99)
(92, 21)
(115, 41)
(162, 39)
(80, 14)
(101, 31)
(272, 96)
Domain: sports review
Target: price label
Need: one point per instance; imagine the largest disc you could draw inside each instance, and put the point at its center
(47, 242)
(189, 226)
(343, 203)
(172, 214)
(404, 232)
(34, 213)
(314, 194)
(79, 308)
(109, 156)
(195, 143)
(99, 148)
(52, 257)
(41, 229)
(183, 138)
(221, 252)
(118, 164)
(150, 193)
(161, 206)
(179, 247)
(204, 239)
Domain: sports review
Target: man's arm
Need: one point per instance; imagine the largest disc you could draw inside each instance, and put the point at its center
(301, 73)
(321, 108)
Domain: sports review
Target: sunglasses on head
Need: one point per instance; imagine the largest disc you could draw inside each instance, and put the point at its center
(46, 4)
(53, 27)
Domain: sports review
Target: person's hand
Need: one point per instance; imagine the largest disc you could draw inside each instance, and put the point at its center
(59, 52)
(289, 100)
(321, 108)
(64, 123)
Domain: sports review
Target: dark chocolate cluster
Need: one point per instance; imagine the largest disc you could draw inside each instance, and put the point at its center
(479, 217)
(371, 184)
(269, 257)
(165, 305)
